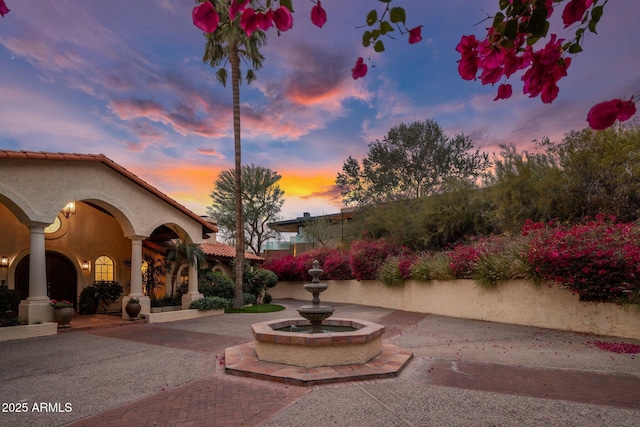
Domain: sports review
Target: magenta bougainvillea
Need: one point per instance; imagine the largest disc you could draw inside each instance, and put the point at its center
(599, 260)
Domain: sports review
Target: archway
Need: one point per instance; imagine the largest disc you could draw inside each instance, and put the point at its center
(61, 278)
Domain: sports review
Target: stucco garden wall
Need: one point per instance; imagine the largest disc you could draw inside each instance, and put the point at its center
(518, 302)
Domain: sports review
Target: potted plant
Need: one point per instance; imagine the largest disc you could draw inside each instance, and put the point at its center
(133, 308)
(63, 312)
(88, 301)
(107, 292)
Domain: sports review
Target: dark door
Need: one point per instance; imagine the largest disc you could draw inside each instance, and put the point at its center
(61, 278)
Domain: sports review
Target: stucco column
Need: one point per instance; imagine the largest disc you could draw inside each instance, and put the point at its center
(36, 307)
(136, 278)
(192, 294)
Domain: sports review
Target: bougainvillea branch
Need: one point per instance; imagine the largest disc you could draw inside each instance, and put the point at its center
(508, 47)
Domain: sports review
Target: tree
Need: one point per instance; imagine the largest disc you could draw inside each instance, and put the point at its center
(525, 186)
(182, 253)
(262, 200)
(319, 230)
(600, 172)
(412, 161)
(229, 41)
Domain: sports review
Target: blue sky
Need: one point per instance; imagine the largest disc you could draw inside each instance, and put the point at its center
(125, 79)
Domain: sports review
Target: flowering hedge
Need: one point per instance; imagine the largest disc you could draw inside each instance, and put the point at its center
(598, 260)
(362, 262)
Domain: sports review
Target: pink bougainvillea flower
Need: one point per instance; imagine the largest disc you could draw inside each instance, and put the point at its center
(205, 17)
(415, 35)
(504, 92)
(3, 8)
(318, 15)
(264, 20)
(574, 11)
(237, 6)
(360, 70)
(469, 61)
(249, 21)
(604, 114)
(283, 19)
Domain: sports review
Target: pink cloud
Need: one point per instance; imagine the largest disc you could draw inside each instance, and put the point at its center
(211, 152)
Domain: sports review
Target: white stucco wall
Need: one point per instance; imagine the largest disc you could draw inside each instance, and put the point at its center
(517, 302)
(33, 192)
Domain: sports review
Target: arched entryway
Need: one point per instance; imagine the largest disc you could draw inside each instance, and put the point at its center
(61, 278)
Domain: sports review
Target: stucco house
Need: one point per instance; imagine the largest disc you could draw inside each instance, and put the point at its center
(68, 220)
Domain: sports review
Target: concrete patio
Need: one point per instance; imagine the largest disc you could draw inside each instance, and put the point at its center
(463, 372)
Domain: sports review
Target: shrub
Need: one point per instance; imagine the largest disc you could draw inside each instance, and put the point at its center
(166, 301)
(210, 303)
(248, 299)
(598, 260)
(504, 258)
(107, 292)
(462, 261)
(267, 298)
(258, 280)
(286, 268)
(218, 285)
(88, 301)
(432, 266)
(389, 272)
(9, 300)
(336, 265)
(367, 256)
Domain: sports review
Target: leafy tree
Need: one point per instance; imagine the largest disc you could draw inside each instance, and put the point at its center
(601, 172)
(230, 42)
(319, 230)
(262, 200)
(525, 186)
(429, 223)
(412, 161)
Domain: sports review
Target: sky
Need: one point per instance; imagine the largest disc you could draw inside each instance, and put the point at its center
(126, 79)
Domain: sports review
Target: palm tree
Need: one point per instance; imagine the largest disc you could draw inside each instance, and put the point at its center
(181, 253)
(229, 43)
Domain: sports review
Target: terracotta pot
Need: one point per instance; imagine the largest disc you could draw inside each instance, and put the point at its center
(63, 316)
(133, 309)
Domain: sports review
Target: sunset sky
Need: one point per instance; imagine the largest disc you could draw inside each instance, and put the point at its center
(125, 79)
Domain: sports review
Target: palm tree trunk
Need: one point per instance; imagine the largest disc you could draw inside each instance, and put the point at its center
(234, 59)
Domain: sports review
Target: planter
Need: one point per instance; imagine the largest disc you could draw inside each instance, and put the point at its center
(63, 316)
(133, 309)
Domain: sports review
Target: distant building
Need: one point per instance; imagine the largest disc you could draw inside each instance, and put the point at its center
(310, 232)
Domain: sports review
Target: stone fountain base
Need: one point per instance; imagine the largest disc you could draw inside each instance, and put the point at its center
(319, 349)
(242, 360)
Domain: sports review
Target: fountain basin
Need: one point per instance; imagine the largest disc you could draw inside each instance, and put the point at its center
(313, 350)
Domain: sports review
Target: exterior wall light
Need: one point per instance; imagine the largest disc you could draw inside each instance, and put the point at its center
(4, 262)
(69, 209)
(85, 265)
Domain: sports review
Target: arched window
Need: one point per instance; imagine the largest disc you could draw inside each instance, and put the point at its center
(104, 269)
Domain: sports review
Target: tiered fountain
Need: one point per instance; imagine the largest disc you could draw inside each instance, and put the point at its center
(292, 350)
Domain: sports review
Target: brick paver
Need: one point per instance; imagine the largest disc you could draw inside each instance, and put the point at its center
(220, 400)
(225, 400)
(617, 390)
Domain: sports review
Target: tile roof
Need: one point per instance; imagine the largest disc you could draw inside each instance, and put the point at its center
(221, 250)
(208, 227)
